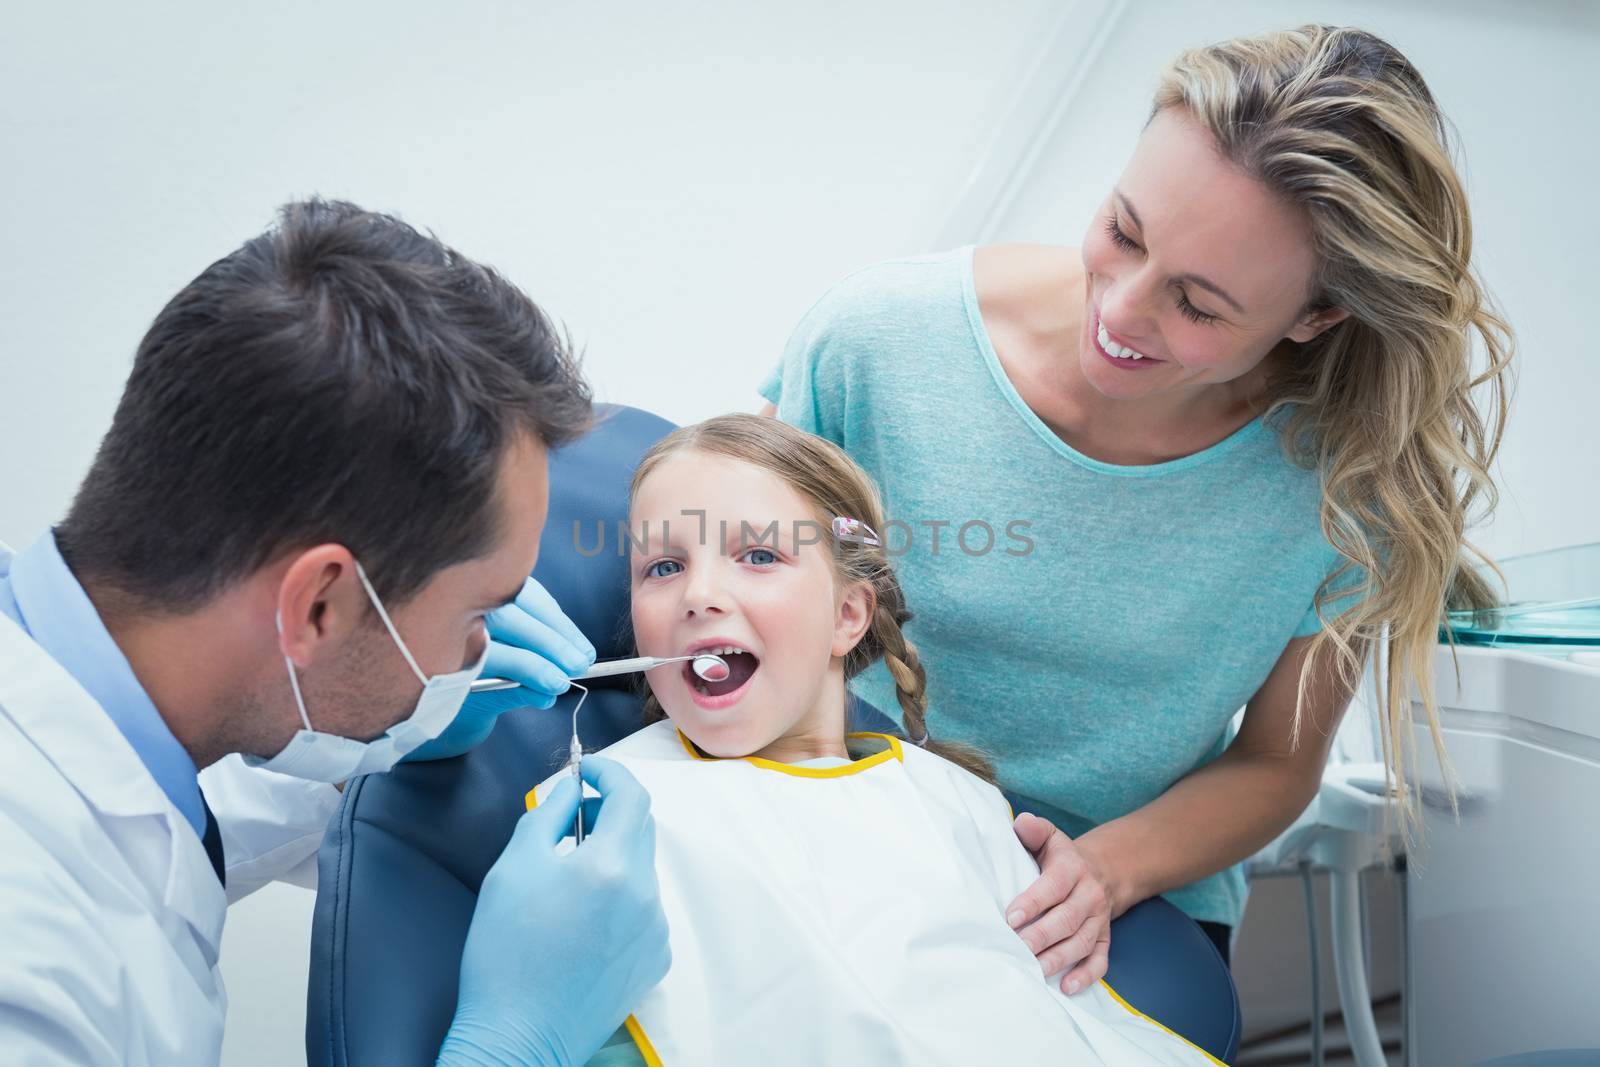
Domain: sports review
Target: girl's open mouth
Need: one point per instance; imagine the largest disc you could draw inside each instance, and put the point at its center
(742, 666)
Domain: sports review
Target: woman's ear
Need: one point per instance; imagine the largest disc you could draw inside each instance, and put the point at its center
(1314, 322)
(852, 618)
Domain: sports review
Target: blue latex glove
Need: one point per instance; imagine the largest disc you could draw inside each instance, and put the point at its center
(530, 641)
(562, 948)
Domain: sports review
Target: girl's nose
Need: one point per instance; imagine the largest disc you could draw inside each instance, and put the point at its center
(703, 593)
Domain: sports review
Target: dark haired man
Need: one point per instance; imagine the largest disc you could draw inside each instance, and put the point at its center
(308, 528)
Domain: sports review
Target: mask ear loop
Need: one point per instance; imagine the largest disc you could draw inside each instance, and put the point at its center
(294, 681)
(372, 594)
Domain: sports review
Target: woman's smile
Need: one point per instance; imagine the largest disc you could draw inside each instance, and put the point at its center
(1119, 355)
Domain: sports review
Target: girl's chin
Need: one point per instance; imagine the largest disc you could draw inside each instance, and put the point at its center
(722, 740)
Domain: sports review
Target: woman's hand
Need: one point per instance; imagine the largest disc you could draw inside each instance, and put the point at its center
(1065, 916)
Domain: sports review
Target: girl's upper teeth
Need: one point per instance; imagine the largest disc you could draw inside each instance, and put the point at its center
(1120, 351)
(725, 650)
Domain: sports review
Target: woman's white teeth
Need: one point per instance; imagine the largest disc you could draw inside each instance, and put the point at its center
(725, 650)
(1120, 351)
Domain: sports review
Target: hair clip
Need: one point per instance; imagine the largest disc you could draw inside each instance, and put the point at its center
(921, 742)
(846, 529)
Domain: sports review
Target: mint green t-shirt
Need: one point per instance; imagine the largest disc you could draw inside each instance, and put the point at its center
(1093, 627)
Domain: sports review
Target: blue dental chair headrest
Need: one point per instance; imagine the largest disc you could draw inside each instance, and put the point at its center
(400, 869)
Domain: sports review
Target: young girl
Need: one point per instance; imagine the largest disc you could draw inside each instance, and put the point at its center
(833, 898)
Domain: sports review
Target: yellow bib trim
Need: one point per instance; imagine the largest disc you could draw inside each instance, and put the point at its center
(1118, 998)
(893, 752)
(646, 1049)
(636, 1031)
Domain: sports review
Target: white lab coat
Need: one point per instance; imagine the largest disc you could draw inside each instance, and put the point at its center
(110, 913)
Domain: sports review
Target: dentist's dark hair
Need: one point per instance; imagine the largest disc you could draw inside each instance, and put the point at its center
(341, 378)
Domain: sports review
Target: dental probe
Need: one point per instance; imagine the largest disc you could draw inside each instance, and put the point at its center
(709, 667)
(575, 762)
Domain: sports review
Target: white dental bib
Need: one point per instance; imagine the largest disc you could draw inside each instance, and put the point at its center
(853, 914)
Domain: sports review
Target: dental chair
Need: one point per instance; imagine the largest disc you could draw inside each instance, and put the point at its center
(403, 859)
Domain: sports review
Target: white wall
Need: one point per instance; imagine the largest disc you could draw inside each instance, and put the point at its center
(1518, 82)
(677, 183)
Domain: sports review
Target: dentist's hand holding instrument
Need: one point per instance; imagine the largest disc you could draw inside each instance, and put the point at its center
(711, 668)
(535, 654)
(534, 651)
(601, 904)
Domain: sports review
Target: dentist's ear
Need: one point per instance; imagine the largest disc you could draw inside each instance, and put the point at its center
(852, 617)
(1315, 321)
(319, 602)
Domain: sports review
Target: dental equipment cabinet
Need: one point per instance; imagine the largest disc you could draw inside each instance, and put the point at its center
(1502, 932)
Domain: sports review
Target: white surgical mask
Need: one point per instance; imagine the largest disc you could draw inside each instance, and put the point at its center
(324, 757)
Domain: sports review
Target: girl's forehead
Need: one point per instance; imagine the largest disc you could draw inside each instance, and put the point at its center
(721, 486)
(696, 498)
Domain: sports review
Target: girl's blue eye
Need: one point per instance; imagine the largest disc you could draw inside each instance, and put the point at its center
(770, 556)
(652, 572)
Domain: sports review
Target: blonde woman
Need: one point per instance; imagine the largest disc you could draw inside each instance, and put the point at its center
(1194, 465)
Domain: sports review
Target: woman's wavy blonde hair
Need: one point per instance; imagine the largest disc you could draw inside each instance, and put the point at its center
(1338, 122)
(834, 484)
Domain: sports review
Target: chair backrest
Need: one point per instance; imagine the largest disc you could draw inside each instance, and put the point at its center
(401, 866)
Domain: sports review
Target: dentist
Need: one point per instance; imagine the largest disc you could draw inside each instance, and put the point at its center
(309, 528)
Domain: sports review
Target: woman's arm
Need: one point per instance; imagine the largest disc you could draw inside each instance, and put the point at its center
(1231, 808)
(1219, 815)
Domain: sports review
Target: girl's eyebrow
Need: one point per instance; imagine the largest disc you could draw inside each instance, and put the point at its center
(780, 534)
(652, 541)
(649, 535)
